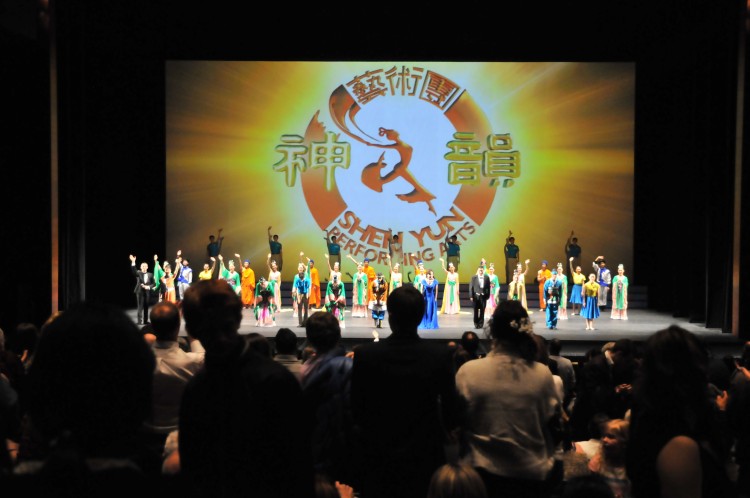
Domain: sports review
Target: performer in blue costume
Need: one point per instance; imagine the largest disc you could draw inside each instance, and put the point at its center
(553, 294)
(603, 278)
(590, 309)
(429, 287)
(576, 295)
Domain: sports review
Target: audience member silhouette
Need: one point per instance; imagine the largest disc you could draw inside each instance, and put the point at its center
(89, 395)
(468, 349)
(404, 401)
(242, 428)
(326, 391)
(174, 368)
(676, 443)
(604, 386)
(287, 354)
(456, 481)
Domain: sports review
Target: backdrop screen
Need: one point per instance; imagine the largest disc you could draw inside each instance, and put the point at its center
(416, 149)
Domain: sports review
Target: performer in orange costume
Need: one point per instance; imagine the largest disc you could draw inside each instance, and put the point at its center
(247, 278)
(312, 272)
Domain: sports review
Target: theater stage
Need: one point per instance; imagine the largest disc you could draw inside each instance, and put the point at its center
(576, 340)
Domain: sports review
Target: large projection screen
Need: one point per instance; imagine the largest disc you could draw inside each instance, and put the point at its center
(422, 149)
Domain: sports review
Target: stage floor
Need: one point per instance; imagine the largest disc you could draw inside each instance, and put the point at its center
(640, 325)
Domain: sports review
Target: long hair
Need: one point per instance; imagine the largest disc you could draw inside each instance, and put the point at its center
(673, 376)
(672, 388)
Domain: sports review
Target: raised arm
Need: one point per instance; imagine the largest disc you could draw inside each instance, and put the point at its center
(570, 265)
(268, 259)
(270, 237)
(302, 260)
(527, 267)
(222, 268)
(352, 258)
(328, 261)
(390, 264)
(442, 263)
(158, 271)
(220, 237)
(132, 265)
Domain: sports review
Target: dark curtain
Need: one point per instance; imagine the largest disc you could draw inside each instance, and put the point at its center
(685, 115)
(112, 165)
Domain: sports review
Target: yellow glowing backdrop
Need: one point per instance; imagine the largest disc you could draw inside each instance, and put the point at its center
(420, 148)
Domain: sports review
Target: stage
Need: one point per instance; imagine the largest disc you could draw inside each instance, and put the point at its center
(576, 340)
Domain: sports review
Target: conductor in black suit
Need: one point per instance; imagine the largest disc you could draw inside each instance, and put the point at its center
(404, 403)
(480, 292)
(144, 284)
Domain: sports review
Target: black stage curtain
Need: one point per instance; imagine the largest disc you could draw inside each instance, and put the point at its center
(24, 172)
(112, 177)
(686, 100)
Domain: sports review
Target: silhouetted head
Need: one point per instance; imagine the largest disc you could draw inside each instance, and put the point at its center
(212, 312)
(165, 321)
(405, 309)
(323, 331)
(91, 379)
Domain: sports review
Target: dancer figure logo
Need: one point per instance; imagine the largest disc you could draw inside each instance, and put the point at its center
(416, 162)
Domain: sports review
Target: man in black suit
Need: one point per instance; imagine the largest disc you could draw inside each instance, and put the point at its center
(480, 292)
(404, 403)
(144, 283)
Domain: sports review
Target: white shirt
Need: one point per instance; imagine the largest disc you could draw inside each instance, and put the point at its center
(509, 404)
(174, 368)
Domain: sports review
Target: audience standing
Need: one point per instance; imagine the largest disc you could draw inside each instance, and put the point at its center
(511, 404)
(89, 395)
(404, 402)
(174, 368)
(240, 420)
(326, 392)
(676, 446)
(565, 370)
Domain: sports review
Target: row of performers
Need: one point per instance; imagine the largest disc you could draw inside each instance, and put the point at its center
(264, 296)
